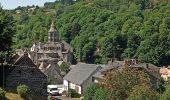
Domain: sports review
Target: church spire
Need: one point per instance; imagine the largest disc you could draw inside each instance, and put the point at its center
(52, 28)
(53, 35)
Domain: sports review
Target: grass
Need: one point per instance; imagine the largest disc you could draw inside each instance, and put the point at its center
(13, 96)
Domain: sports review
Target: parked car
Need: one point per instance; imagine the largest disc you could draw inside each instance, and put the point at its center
(53, 90)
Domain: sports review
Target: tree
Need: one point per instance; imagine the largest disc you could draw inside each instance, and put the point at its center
(107, 48)
(6, 32)
(124, 28)
(2, 94)
(64, 67)
(101, 94)
(23, 91)
(142, 92)
(88, 52)
(121, 82)
(166, 94)
(132, 44)
(89, 91)
(160, 86)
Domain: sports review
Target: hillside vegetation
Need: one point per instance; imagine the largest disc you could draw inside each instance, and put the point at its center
(102, 29)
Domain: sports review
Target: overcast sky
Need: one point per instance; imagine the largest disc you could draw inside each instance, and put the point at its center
(11, 4)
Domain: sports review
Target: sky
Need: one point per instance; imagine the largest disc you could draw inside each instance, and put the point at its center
(12, 4)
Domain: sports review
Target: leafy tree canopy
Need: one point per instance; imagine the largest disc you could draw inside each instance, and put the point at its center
(101, 29)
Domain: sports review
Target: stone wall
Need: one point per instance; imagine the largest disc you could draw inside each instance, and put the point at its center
(30, 76)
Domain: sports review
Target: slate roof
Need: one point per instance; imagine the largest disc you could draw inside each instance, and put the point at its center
(24, 61)
(116, 64)
(150, 68)
(81, 72)
(98, 74)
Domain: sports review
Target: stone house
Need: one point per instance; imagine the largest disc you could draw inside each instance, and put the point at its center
(79, 77)
(151, 70)
(52, 72)
(24, 71)
(165, 73)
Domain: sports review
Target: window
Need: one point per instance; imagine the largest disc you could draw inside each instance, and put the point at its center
(77, 88)
(32, 71)
(19, 72)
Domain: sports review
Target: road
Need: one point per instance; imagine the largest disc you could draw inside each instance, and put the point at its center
(66, 98)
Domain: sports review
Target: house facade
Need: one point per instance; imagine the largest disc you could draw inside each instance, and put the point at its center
(165, 73)
(24, 71)
(79, 77)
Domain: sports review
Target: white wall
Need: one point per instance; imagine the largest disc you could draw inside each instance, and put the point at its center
(75, 87)
(65, 85)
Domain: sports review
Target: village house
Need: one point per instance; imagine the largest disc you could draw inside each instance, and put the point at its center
(52, 72)
(83, 74)
(165, 73)
(149, 69)
(24, 71)
(80, 76)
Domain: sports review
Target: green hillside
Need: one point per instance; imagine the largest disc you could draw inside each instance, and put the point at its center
(102, 29)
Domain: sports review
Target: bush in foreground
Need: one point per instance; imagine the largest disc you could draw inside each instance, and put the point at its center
(89, 91)
(23, 90)
(73, 94)
(2, 94)
(101, 94)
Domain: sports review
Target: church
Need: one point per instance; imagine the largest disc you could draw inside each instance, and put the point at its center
(47, 55)
(52, 51)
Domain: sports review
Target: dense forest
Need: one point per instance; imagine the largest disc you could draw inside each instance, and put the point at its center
(101, 29)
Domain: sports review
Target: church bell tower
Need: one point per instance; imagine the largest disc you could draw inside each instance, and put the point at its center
(53, 35)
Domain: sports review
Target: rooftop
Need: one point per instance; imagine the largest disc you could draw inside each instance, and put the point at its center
(81, 72)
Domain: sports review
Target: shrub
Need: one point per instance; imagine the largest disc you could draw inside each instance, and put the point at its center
(166, 94)
(142, 92)
(23, 90)
(89, 91)
(2, 94)
(72, 93)
(65, 67)
(101, 94)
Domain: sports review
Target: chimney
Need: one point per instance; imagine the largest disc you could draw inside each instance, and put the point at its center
(147, 66)
(136, 61)
(25, 52)
(126, 62)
